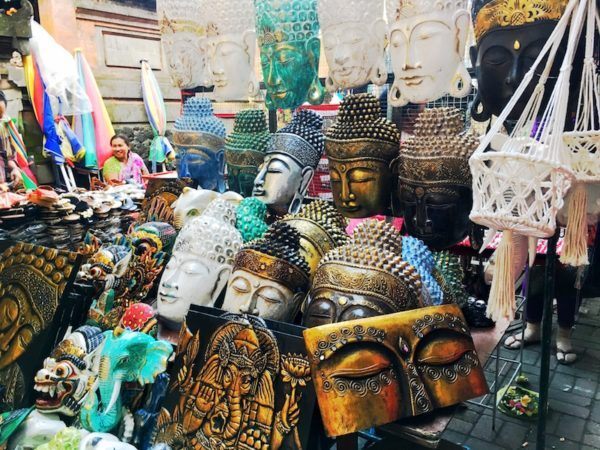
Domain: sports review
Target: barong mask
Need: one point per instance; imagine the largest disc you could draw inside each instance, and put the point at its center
(270, 277)
(427, 46)
(360, 147)
(434, 180)
(289, 164)
(354, 39)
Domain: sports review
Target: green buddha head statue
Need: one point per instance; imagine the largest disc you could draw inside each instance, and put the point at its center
(288, 38)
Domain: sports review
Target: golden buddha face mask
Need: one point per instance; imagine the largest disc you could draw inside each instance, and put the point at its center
(370, 372)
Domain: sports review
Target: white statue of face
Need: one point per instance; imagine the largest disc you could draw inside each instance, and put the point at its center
(427, 57)
(231, 66)
(250, 294)
(186, 58)
(355, 54)
(189, 279)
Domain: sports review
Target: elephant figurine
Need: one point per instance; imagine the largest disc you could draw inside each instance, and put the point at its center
(193, 202)
(146, 418)
(127, 357)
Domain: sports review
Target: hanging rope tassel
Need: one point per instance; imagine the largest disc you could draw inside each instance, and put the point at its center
(574, 251)
(501, 302)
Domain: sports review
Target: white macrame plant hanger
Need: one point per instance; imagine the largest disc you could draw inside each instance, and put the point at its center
(520, 185)
(583, 148)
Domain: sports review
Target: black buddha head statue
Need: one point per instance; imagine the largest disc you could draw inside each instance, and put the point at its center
(434, 181)
(510, 36)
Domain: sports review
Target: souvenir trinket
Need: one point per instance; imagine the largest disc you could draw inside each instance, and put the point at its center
(251, 219)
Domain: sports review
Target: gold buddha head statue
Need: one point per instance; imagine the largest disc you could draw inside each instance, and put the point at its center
(270, 276)
(360, 147)
(366, 277)
(434, 193)
(321, 228)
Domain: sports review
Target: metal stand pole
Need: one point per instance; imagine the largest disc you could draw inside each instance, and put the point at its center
(550, 278)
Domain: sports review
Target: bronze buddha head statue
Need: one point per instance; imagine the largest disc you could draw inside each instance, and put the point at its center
(510, 36)
(245, 150)
(360, 147)
(321, 228)
(366, 277)
(434, 180)
(376, 370)
(290, 162)
(270, 276)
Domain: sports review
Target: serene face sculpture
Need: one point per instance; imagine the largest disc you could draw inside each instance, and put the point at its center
(183, 39)
(427, 46)
(289, 52)
(360, 147)
(231, 44)
(64, 381)
(354, 39)
(245, 150)
(269, 277)
(201, 262)
(321, 228)
(373, 371)
(289, 164)
(434, 181)
(509, 36)
(32, 282)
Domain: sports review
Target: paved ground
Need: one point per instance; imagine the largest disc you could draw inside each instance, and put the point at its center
(574, 419)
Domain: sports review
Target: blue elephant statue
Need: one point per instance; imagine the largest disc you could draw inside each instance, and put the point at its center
(128, 357)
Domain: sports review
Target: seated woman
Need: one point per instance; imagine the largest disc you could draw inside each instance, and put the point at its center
(124, 166)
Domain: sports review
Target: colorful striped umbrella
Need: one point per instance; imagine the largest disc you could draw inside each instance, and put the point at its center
(160, 149)
(15, 141)
(93, 130)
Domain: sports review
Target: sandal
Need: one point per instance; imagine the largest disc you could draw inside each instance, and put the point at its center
(565, 356)
(516, 341)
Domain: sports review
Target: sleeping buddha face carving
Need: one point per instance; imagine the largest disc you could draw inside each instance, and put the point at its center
(270, 276)
(288, 38)
(231, 46)
(32, 281)
(364, 278)
(373, 371)
(354, 39)
(510, 36)
(360, 147)
(289, 164)
(427, 46)
(434, 180)
(201, 262)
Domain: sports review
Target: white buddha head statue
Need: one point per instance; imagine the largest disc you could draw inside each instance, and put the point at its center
(231, 48)
(183, 39)
(354, 35)
(427, 47)
(201, 262)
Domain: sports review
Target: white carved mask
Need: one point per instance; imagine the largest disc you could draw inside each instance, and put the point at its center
(201, 262)
(354, 39)
(231, 48)
(183, 38)
(427, 46)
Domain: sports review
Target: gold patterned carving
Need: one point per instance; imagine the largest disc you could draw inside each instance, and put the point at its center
(198, 140)
(512, 13)
(434, 170)
(271, 268)
(361, 149)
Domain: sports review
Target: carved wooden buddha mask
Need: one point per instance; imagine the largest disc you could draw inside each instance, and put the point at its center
(360, 147)
(434, 180)
(270, 276)
(373, 371)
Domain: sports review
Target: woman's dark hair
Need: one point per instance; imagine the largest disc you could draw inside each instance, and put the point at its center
(3, 98)
(121, 136)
